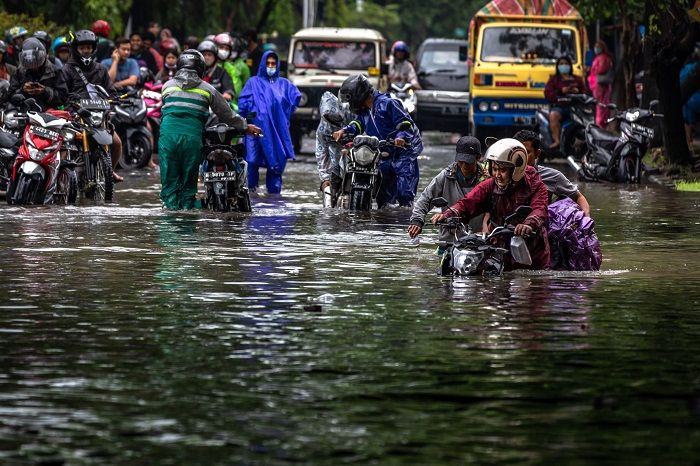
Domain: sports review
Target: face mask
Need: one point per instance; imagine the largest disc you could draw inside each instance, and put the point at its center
(271, 71)
(597, 50)
(564, 69)
(223, 54)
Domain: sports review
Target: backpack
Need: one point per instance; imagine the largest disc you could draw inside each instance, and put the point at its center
(572, 239)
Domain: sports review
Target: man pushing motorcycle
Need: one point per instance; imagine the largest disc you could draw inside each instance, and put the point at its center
(512, 184)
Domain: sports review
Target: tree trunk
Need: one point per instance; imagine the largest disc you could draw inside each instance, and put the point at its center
(267, 10)
(630, 44)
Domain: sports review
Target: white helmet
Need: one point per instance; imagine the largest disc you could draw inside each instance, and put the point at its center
(508, 151)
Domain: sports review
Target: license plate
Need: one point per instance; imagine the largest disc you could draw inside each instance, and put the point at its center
(45, 133)
(220, 176)
(523, 120)
(94, 104)
(643, 130)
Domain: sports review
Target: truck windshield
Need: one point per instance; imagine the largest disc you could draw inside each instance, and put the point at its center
(518, 44)
(335, 55)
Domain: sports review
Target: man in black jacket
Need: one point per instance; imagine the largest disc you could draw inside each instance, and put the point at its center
(37, 77)
(82, 72)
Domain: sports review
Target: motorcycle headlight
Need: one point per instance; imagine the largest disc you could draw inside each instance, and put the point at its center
(96, 118)
(10, 120)
(466, 262)
(495, 106)
(483, 106)
(364, 155)
(68, 136)
(631, 116)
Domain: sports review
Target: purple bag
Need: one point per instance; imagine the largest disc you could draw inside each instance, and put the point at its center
(572, 239)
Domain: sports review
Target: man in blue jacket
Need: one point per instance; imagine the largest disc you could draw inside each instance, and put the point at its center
(381, 116)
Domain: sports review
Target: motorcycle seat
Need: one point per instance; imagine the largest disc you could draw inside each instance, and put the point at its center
(364, 140)
(602, 136)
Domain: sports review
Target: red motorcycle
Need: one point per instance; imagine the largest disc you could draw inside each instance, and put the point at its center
(39, 176)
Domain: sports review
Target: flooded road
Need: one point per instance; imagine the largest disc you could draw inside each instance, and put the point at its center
(299, 335)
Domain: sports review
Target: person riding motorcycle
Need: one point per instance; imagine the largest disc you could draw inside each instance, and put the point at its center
(105, 46)
(45, 39)
(400, 68)
(6, 70)
(214, 74)
(560, 84)
(229, 53)
(513, 183)
(15, 37)
(452, 183)
(37, 77)
(186, 102)
(61, 49)
(82, 72)
(381, 116)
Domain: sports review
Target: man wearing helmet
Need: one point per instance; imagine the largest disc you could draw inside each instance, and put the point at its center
(82, 72)
(213, 74)
(512, 184)
(381, 116)
(186, 102)
(45, 39)
(16, 37)
(6, 70)
(105, 46)
(228, 50)
(37, 77)
(61, 49)
(400, 68)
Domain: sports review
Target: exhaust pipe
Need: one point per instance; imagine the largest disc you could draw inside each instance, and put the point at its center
(573, 163)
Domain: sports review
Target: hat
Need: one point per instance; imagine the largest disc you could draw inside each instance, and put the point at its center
(468, 149)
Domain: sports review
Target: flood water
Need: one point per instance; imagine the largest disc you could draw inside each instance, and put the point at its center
(296, 335)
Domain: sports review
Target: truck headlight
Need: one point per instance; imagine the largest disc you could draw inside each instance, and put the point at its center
(483, 106)
(495, 106)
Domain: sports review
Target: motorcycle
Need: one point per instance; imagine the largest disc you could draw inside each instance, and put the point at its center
(481, 253)
(130, 123)
(224, 170)
(9, 146)
(361, 179)
(154, 102)
(405, 93)
(617, 158)
(572, 138)
(39, 175)
(95, 179)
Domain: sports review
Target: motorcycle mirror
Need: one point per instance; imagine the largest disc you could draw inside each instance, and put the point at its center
(334, 118)
(84, 112)
(519, 250)
(520, 213)
(31, 103)
(102, 91)
(489, 141)
(653, 104)
(17, 100)
(439, 202)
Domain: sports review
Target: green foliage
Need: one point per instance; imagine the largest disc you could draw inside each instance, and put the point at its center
(688, 186)
(32, 23)
(109, 10)
(283, 20)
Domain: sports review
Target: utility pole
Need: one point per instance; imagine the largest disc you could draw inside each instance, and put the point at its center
(309, 13)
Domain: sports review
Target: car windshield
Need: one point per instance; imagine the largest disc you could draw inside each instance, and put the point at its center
(527, 44)
(442, 57)
(345, 55)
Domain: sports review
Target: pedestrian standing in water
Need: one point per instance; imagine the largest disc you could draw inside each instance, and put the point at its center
(273, 100)
(601, 80)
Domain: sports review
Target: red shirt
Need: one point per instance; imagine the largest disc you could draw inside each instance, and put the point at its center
(529, 191)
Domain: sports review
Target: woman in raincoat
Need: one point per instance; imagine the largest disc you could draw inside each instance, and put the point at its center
(273, 100)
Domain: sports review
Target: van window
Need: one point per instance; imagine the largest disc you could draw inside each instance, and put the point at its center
(442, 57)
(517, 44)
(345, 55)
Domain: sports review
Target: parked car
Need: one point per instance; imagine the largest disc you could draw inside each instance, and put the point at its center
(443, 74)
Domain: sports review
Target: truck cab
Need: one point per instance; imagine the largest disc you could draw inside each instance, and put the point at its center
(320, 59)
(513, 58)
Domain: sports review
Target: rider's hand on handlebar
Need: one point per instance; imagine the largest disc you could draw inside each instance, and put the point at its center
(253, 130)
(414, 230)
(338, 135)
(399, 142)
(437, 218)
(523, 230)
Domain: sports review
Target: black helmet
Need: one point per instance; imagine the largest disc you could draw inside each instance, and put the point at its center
(33, 54)
(208, 46)
(44, 37)
(191, 59)
(355, 91)
(84, 37)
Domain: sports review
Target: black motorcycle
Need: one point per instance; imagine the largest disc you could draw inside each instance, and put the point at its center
(224, 170)
(129, 119)
(480, 253)
(572, 139)
(618, 158)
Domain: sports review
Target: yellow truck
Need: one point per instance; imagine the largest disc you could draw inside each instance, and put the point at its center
(513, 50)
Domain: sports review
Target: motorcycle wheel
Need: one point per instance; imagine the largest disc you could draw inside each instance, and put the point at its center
(104, 180)
(24, 190)
(359, 200)
(66, 187)
(574, 143)
(243, 202)
(139, 152)
(626, 170)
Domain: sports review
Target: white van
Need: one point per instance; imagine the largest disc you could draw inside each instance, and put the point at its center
(320, 59)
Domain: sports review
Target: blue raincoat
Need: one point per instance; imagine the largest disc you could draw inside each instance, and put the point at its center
(273, 99)
(399, 171)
